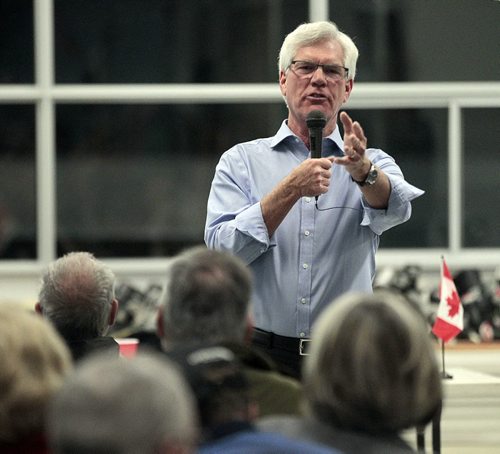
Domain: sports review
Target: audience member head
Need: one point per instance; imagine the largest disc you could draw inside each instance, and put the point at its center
(206, 298)
(219, 384)
(77, 295)
(33, 363)
(315, 32)
(123, 406)
(372, 366)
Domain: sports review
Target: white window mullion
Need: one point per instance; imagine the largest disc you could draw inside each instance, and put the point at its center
(45, 131)
(318, 10)
(455, 177)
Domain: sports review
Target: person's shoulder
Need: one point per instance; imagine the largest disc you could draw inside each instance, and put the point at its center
(257, 145)
(283, 424)
(82, 348)
(346, 441)
(257, 442)
(274, 378)
(275, 393)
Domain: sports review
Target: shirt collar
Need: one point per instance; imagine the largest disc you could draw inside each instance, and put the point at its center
(334, 143)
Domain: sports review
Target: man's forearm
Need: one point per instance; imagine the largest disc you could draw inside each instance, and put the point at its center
(277, 204)
(377, 195)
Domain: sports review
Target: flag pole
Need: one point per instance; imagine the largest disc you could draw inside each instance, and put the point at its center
(443, 370)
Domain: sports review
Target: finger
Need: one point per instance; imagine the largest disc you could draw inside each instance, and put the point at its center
(342, 161)
(358, 131)
(326, 163)
(346, 122)
(355, 142)
(349, 150)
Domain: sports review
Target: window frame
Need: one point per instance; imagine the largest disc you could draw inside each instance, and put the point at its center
(45, 95)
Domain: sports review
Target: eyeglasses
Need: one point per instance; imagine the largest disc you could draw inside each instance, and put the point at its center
(308, 68)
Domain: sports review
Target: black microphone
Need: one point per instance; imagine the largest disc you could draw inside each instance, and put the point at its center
(315, 121)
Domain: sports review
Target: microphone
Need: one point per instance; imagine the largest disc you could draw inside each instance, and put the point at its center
(315, 121)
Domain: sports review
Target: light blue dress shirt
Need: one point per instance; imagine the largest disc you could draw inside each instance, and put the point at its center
(313, 256)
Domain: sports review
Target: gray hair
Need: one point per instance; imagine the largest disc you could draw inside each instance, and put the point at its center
(372, 365)
(315, 32)
(76, 295)
(206, 297)
(114, 405)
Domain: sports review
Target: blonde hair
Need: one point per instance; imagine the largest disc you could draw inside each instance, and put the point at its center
(33, 363)
(372, 366)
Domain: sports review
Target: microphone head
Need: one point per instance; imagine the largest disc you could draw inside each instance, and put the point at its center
(316, 119)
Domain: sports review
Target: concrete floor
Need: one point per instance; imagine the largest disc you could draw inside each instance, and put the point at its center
(470, 422)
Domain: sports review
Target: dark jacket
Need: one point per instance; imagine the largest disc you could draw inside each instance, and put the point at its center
(274, 392)
(81, 348)
(346, 441)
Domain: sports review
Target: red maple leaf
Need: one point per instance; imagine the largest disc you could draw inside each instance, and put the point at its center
(453, 303)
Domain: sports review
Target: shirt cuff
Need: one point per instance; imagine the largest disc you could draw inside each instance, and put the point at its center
(250, 222)
(398, 209)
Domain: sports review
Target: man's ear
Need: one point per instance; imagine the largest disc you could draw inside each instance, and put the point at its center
(113, 312)
(39, 309)
(282, 80)
(160, 328)
(249, 326)
(348, 89)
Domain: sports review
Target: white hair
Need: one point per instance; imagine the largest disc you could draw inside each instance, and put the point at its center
(76, 295)
(315, 32)
(126, 406)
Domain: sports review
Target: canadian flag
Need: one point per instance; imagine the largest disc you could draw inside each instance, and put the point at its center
(450, 315)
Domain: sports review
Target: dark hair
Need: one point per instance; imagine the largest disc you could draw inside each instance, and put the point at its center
(218, 381)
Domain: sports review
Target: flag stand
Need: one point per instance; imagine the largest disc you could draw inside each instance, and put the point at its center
(444, 374)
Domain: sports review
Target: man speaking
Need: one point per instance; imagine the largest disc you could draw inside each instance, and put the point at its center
(307, 226)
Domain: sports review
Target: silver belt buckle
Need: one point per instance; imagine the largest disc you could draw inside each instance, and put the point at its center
(302, 347)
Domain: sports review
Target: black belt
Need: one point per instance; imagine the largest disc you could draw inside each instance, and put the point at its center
(272, 340)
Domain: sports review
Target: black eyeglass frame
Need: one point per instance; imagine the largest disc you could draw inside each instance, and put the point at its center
(316, 66)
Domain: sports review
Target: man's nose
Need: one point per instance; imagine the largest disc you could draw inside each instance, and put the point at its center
(318, 76)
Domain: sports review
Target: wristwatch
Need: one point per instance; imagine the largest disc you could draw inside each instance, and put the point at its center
(370, 178)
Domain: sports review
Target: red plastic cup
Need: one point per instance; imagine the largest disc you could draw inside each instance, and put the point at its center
(128, 346)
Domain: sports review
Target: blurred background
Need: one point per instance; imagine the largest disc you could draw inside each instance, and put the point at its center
(114, 114)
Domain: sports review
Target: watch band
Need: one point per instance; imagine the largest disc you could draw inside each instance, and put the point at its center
(371, 177)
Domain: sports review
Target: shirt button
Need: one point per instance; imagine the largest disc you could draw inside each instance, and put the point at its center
(303, 300)
(302, 334)
(307, 233)
(305, 266)
(308, 199)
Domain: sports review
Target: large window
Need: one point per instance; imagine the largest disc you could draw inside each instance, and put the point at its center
(415, 139)
(114, 115)
(17, 174)
(171, 41)
(481, 178)
(134, 179)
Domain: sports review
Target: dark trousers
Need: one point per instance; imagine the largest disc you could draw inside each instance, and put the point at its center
(284, 351)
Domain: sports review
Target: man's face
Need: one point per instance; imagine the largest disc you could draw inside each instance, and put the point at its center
(315, 91)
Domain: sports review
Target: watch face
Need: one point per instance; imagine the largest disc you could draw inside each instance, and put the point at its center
(372, 176)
